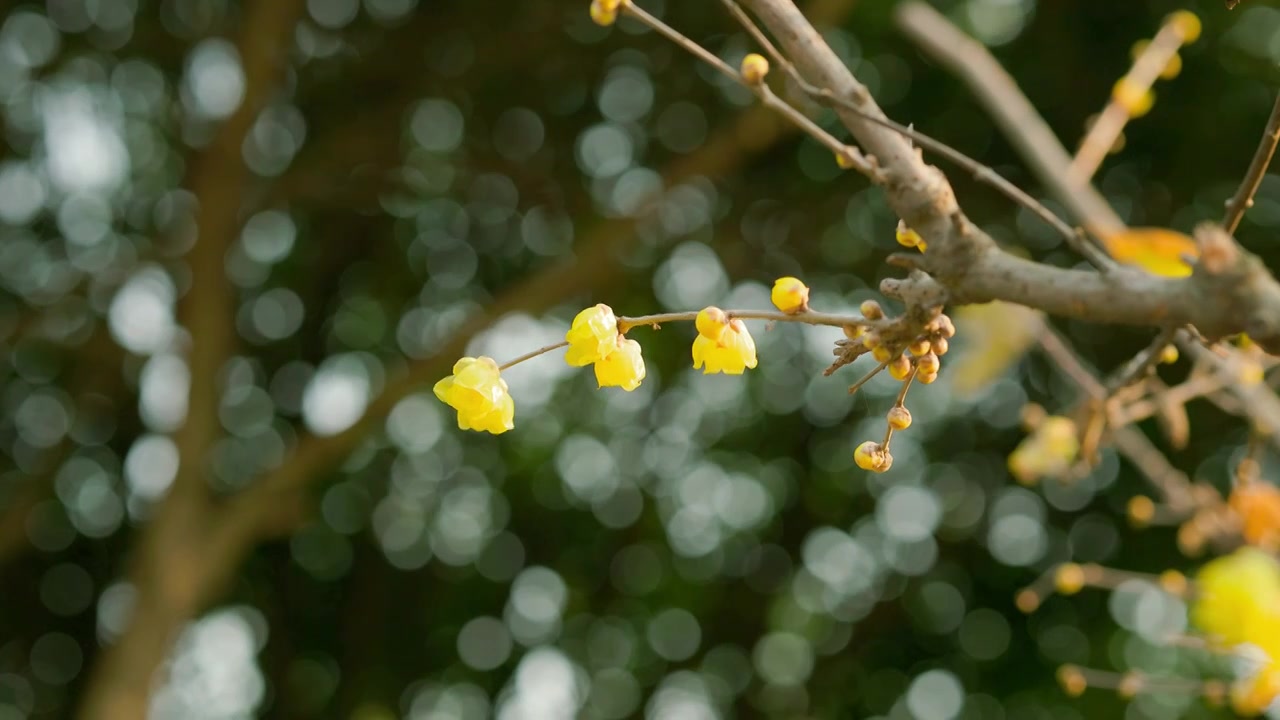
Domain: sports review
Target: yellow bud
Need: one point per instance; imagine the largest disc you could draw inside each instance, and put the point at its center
(928, 364)
(790, 295)
(919, 347)
(1072, 680)
(1188, 25)
(853, 332)
(1174, 583)
(926, 378)
(871, 310)
(1169, 355)
(1136, 101)
(941, 346)
(845, 160)
(602, 15)
(882, 353)
(1141, 510)
(1172, 68)
(899, 418)
(711, 323)
(754, 68)
(871, 340)
(1027, 601)
(946, 328)
(907, 237)
(1069, 579)
(868, 455)
(900, 368)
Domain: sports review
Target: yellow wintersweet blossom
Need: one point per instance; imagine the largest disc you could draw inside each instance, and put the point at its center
(1238, 600)
(624, 367)
(1253, 694)
(592, 336)
(479, 394)
(907, 237)
(722, 345)
(1047, 451)
(790, 295)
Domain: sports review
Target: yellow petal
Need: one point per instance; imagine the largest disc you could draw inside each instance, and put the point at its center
(1157, 250)
(593, 334)
(622, 368)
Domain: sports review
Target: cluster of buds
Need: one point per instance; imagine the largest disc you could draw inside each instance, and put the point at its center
(919, 357)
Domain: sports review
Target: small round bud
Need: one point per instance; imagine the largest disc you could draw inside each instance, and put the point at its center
(926, 378)
(1141, 510)
(868, 455)
(1072, 680)
(882, 353)
(1188, 24)
(790, 295)
(754, 68)
(1169, 355)
(941, 346)
(1174, 583)
(907, 237)
(899, 418)
(1191, 538)
(929, 363)
(1135, 100)
(871, 310)
(1027, 601)
(1069, 579)
(946, 328)
(604, 12)
(900, 368)
(853, 332)
(919, 347)
(1172, 68)
(871, 340)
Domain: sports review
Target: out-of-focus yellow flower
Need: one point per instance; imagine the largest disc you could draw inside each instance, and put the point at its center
(479, 394)
(907, 237)
(1188, 24)
(723, 347)
(790, 295)
(624, 367)
(1253, 694)
(1135, 100)
(1258, 505)
(1238, 600)
(592, 336)
(754, 68)
(604, 12)
(1049, 450)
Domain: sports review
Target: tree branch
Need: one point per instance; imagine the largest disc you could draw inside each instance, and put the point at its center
(1243, 199)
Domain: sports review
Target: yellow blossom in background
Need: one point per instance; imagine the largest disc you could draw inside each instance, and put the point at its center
(592, 336)
(479, 394)
(732, 353)
(1136, 100)
(1188, 24)
(1047, 451)
(1252, 695)
(790, 295)
(1238, 600)
(624, 367)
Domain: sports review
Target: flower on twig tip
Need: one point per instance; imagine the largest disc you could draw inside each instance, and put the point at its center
(722, 347)
(1188, 24)
(907, 237)
(790, 295)
(605, 12)
(479, 394)
(624, 367)
(754, 68)
(592, 336)
(872, 456)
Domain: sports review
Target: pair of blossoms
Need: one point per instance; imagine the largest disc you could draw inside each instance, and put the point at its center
(483, 401)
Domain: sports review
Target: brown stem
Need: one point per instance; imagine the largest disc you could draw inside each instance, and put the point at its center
(1243, 199)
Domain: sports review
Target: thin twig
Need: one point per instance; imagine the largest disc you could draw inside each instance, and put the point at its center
(808, 318)
(1107, 128)
(533, 354)
(1139, 365)
(1243, 199)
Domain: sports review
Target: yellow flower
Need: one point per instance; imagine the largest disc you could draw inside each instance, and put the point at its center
(1136, 100)
(479, 394)
(1238, 600)
(722, 347)
(1049, 450)
(790, 295)
(754, 68)
(1254, 694)
(592, 336)
(604, 12)
(907, 237)
(622, 368)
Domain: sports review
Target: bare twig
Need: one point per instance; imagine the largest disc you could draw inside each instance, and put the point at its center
(1243, 199)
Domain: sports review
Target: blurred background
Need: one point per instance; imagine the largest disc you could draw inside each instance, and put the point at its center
(363, 191)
